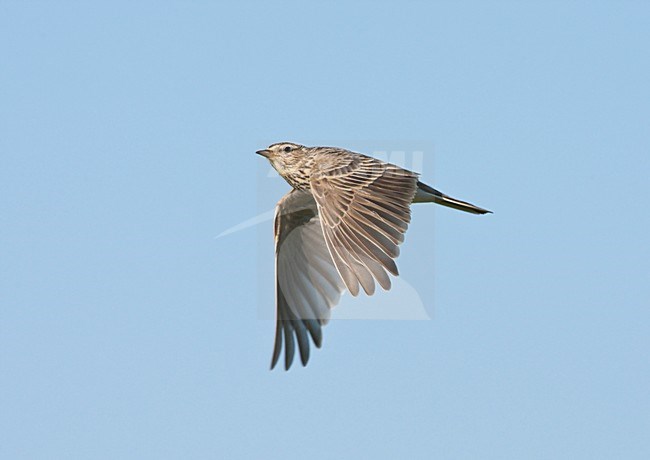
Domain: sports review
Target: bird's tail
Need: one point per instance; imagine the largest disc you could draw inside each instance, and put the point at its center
(426, 194)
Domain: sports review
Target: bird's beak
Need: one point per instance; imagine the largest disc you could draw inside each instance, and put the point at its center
(265, 153)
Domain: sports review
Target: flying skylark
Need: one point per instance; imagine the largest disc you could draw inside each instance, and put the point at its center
(338, 228)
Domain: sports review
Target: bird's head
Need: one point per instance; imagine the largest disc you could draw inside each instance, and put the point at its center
(285, 157)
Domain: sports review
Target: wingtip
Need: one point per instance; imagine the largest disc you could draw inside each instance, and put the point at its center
(274, 360)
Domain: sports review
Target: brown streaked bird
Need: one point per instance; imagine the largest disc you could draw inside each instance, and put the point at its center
(339, 228)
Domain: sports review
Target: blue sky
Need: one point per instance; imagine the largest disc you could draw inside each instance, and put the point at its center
(127, 330)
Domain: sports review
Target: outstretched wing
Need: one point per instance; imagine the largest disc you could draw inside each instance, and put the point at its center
(307, 283)
(364, 207)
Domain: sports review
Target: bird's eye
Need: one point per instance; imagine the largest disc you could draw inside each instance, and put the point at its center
(287, 149)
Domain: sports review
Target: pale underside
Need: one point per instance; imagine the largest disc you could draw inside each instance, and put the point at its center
(342, 234)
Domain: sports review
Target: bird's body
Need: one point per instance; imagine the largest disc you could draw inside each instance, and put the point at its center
(339, 228)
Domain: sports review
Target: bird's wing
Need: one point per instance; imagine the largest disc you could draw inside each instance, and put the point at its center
(364, 206)
(307, 283)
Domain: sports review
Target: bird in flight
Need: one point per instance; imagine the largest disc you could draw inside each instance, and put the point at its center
(338, 228)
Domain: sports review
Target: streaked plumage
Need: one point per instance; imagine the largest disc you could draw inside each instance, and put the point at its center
(339, 228)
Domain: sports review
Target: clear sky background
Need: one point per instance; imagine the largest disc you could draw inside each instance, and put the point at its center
(127, 132)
